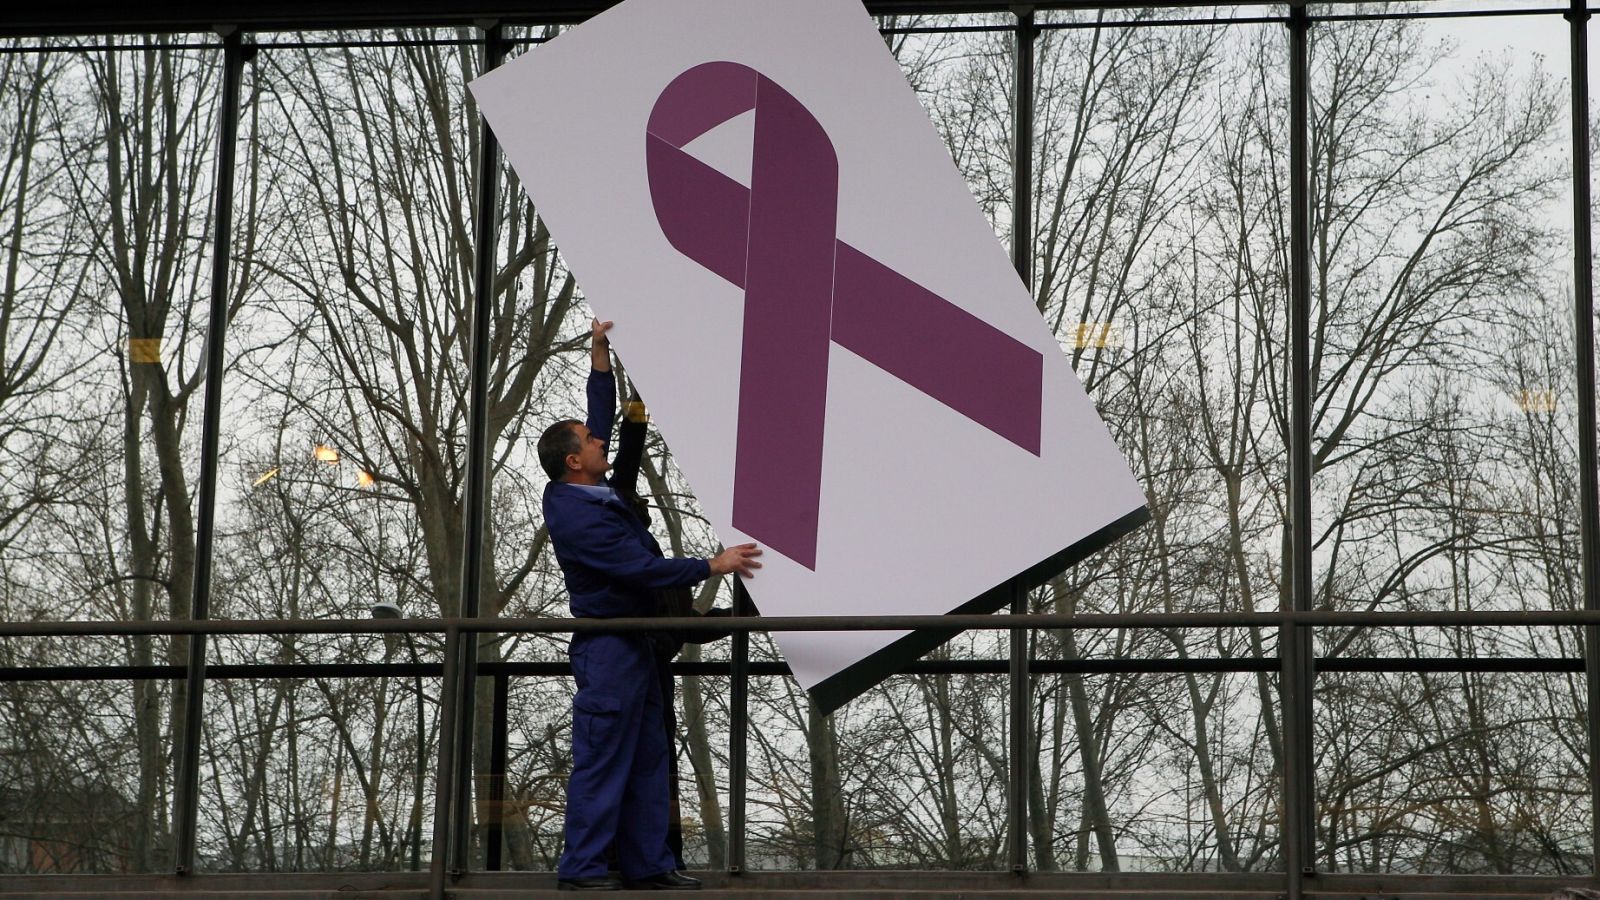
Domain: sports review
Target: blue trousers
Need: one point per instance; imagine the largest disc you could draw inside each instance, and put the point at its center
(619, 788)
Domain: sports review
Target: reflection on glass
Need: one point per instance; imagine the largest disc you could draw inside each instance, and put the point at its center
(105, 199)
(304, 775)
(1470, 773)
(1142, 773)
(1444, 410)
(911, 774)
(83, 786)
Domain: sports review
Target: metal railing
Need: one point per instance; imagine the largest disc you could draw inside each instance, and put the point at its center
(452, 818)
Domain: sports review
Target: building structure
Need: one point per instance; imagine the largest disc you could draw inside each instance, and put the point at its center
(1329, 279)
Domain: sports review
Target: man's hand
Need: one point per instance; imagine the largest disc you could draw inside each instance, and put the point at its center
(739, 560)
(599, 345)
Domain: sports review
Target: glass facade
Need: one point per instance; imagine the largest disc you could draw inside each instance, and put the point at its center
(236, 629)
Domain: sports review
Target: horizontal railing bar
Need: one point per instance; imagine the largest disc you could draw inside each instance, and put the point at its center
(103, 17)
(699, 625)
(945, 29)
(908, 30)
(555, 669)
(1158, 23)
(101, 48)
(365, 44)
(1438, 14)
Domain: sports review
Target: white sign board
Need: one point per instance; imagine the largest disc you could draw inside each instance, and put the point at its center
(835, 346)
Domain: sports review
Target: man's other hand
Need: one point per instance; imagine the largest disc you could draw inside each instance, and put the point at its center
(739, 560)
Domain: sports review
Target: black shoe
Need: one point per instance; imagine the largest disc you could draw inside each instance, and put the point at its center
(666, 881)
(601, 883)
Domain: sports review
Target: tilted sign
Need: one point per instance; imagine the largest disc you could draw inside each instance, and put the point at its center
(833, 343)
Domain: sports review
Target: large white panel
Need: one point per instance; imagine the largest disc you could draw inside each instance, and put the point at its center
(919, 507)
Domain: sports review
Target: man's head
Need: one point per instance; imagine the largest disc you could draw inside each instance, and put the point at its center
(568, 451)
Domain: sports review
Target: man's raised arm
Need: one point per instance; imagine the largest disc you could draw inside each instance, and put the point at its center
(602, 386)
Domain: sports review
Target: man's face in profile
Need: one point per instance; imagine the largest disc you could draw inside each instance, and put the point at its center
(591, 455)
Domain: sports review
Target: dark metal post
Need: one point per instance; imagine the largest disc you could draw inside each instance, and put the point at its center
(422, 766)
(1297, 829)
(1021, 716)
(1020, 685)
(497, 773)
(1583, 348)
(444, 784)
(186, 793)
(738, 723)
(1022, 150)
(475, 495)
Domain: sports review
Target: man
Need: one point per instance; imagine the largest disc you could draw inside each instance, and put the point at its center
(613, 567)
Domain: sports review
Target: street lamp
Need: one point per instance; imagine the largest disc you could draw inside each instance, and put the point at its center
(388, 609)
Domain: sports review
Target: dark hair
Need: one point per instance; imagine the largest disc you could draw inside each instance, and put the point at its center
(1574, 893)
(557, 443)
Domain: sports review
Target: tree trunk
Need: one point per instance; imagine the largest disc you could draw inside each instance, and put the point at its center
(700, 759)
(1094, 798)
(828, 827)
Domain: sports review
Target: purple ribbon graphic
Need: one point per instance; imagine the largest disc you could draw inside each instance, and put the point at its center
(805, 288)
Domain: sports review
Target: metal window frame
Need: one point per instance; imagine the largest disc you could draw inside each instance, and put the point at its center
(1296, 621)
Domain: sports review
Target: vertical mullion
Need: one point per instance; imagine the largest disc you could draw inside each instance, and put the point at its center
(475, 499)
(495, 833)
(187, 782)
(738, 725)
(1021, 719)
(421, 766)
(444, 781)
(1020, 688)
(1583, 351)
(1297, 829)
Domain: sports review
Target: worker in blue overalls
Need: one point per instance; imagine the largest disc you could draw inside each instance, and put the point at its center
(613, 566)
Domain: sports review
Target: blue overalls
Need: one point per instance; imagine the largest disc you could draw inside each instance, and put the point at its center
(620, 754)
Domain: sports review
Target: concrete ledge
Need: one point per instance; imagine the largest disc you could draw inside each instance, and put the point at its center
(800, 885)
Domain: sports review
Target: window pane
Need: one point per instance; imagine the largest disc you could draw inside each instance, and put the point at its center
(1445, 404)
(538, 762)
(966, 80)
(1452, 773)
(86, 774)
(319, 774)
(1160, 242)
(106, 204)
(345, 400)
(911, 774)
(1158, 773)
(106, 207)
